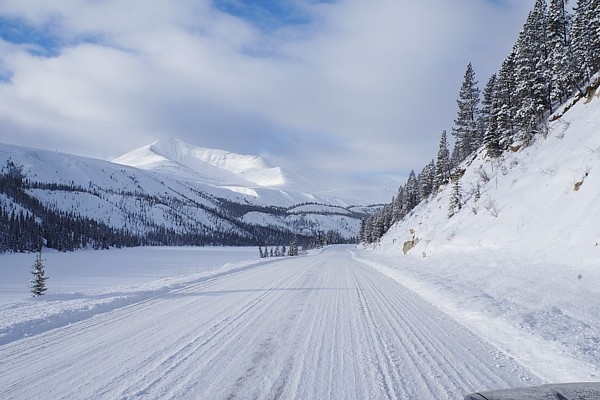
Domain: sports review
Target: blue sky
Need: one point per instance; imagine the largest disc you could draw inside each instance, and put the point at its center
(265, 15)
(347, 92)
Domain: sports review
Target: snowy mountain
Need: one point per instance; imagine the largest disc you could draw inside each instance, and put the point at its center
(172, 193)
(247, 174)
(537, 201)
(218, 167)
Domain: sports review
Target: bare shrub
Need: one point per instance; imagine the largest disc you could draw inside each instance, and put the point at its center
(548, 171)
(492, 206)
(483, 175)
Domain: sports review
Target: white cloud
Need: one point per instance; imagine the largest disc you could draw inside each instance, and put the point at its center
(363, 87)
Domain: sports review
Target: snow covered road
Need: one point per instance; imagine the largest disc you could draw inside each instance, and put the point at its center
(316, 327)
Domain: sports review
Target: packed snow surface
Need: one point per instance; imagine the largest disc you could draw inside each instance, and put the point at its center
(339, 323)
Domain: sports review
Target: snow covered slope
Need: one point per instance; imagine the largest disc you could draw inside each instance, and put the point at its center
(541, 201)
(518, 264)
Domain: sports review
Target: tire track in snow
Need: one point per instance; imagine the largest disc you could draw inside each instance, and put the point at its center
(223, 330)
(382, 357)
(439, 352)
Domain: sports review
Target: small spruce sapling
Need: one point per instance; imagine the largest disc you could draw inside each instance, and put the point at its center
(455, 198)
(38, 283)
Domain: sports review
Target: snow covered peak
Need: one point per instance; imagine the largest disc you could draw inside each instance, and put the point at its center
(188, 155)
(218, 166)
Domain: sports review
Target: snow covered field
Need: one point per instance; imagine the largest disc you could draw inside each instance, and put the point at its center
(341, 323)
(81, 270)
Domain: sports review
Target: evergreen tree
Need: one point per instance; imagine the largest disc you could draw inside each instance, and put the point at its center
(426, 180)
(411, 191)
(466, 129)
(38, 283)
(362, 236)
(505, 103)
(442, 170)
(586, 36)
(563, 69)
(527, 74)
(377, 228)
(293, 249)
(368, 230)
(398, 209)
(486, 104)
(13, 174)
(455, 157)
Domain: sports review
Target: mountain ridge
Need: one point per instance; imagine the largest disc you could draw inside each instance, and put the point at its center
(154, 206)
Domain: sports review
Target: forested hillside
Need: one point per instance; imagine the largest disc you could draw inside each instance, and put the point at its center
(551, 66)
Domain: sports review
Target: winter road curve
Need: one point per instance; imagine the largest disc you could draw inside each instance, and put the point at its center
(317, 327)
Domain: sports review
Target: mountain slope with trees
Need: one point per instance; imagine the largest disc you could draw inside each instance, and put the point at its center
(68, 202)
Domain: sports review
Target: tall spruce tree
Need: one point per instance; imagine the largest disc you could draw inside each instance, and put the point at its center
(505, 104)
(426, 180)
(492, 133)
(563, 68)
(527, 73)
(586, 36)
(486, 104)
(293, 249)
(411, 191)
(398, 209)
(442, 166)
(466, 128)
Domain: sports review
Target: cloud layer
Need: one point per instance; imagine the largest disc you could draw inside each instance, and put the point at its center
(348, 89)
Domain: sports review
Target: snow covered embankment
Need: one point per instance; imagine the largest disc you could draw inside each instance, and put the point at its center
(518, 263)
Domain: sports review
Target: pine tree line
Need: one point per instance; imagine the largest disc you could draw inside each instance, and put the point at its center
(555, 57)
(301, 244)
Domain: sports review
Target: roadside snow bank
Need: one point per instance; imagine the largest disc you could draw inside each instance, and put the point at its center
(547, 316)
